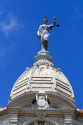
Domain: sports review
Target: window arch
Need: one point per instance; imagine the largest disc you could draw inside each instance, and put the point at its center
(38, 122)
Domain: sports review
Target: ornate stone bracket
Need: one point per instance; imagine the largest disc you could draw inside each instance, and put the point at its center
(41, 115)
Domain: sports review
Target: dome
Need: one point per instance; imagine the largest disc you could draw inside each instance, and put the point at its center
(42, 77)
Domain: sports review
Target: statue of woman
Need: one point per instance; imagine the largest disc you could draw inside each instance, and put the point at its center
(43, 32)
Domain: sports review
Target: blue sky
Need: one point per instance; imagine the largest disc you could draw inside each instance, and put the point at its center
(19, 21)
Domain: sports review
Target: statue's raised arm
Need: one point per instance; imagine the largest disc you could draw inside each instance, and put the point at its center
(43, 32)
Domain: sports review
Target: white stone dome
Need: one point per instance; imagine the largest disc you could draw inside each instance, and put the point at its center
(42, 77)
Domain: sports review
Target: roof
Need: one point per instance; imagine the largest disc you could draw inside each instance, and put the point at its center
(42, 77)
(80, 111)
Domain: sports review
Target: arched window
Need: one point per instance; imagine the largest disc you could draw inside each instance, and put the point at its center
(43, 122)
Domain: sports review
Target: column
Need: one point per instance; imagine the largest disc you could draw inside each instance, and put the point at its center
(14, 119)
(68, 120)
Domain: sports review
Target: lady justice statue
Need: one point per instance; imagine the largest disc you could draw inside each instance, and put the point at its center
(43, 32)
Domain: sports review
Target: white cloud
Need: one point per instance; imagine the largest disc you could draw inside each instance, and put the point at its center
(10, 25)
(5, 53)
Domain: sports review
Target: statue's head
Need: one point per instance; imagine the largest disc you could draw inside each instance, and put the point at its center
(45, 20)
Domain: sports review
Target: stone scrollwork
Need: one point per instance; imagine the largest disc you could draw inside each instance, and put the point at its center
(41, 115)
(61, 121)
